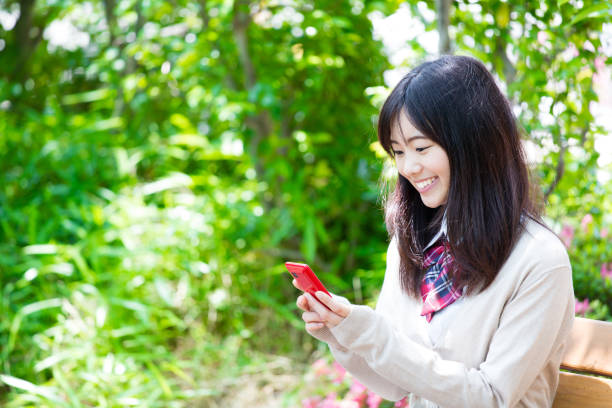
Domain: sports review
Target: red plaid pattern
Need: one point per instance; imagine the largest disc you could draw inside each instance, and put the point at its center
(437, 289)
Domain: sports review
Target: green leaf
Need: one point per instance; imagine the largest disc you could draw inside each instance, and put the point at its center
(90, 96)
(180, 121)
(107, 124)
(45, 392)
(160, 379)
(279, 308)
(285, 228)
(190, 140)
(596, 11)
(309, 240)
(173, 181)
(22, 313)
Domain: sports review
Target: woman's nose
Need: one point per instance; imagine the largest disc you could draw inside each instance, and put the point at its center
(412, 167)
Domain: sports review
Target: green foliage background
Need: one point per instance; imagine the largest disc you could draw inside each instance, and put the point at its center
(154, 179)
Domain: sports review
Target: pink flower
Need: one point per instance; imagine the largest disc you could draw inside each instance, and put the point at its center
(339, 371)
(600, 64)
(310, 402)
(349, 404)
(374, 400)
(320, 367)
(605, 272)
(357, 387)
(603, 233)
(586, 221)
(403, 403)
(542, 37)
(567, 235)
(582, 307)
(330, 401)
(357, 392)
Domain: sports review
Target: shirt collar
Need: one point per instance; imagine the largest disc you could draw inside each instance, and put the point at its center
(439, 234)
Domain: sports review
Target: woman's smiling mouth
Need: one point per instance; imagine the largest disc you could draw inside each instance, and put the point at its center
(424, 185)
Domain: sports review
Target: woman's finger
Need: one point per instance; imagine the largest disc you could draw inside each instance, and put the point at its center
(318, 307)
(297, 285)
(302, 303)
(311, 327)
(338, 308)
(330, 317)
(311, 317)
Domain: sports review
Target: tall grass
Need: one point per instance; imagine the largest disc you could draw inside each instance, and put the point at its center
(137, 294)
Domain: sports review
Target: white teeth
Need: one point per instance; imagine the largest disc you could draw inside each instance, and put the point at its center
(425, 183)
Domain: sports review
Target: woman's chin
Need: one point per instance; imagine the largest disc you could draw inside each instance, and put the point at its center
(432, 202)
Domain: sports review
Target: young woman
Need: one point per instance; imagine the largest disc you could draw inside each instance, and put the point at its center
(477, 299)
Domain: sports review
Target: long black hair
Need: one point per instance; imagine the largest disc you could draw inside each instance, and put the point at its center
(455, 102)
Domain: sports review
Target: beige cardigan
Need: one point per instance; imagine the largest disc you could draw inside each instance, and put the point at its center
(502, 349)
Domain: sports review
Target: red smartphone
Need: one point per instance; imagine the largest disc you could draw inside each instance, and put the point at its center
(306, 278)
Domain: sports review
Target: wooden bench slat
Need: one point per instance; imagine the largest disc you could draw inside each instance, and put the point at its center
(582, 391)
(590, 347)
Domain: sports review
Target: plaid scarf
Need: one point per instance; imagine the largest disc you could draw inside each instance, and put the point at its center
(437, 289)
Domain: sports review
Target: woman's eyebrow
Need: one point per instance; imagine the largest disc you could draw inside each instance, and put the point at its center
(411, 139)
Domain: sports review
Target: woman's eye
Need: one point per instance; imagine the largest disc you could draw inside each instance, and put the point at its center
(420, 149)
(397, 152)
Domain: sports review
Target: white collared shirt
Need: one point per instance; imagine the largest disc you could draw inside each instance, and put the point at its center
(437, 327)
(439, 234)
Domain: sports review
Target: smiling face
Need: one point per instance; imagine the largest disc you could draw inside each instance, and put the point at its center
(421, 161)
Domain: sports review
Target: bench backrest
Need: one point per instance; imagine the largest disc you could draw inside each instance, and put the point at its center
(590, 352)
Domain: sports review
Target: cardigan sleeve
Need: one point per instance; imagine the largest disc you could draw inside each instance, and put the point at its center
(530, 325)
(356, 364)
(359, 368)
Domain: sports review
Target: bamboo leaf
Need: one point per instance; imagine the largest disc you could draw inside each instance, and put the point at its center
(598, 10)
(25, 311)
(160, 379)
(90, 96)
(309, 240)
(45, 392)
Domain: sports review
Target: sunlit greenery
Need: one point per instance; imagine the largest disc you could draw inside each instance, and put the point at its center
(161, 160)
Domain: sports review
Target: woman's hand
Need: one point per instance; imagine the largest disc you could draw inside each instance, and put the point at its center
(316, 315)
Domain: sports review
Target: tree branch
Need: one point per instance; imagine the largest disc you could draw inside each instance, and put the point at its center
(25, 44)
(507, 67)
(204, 15)
(443, 11)
(261, 123)
(240, 24)
(130, 62)
(109, 12)
(558, 173)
